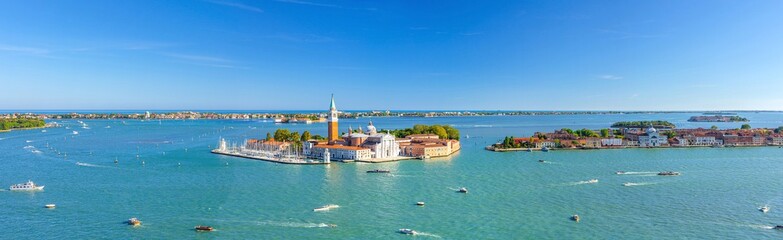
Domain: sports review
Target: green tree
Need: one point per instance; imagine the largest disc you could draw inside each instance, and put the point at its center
(282, 134)
(670, 134)
(306, 136)
(714, 127)
(440, 131)
(268, 136)
(745, 126)
(605, 132)
(568, 130)
(779, 129)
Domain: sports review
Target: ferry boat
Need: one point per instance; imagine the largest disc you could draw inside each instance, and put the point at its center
(378, 171)
(764, 209)
(668, 173)
(575, 218)
(326, 208)
(407, 231)
(28, 186)
(204, 228)
(134, 222)
(463, 190)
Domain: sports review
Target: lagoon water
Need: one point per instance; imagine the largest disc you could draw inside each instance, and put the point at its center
(512, 195)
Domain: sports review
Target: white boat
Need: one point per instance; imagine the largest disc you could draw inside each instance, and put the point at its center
(133, 222)
(326, 208)
(628, 184)
(75, 132)
(43, 130)
(764, 209)
(51, 205)
(420, 203)
(462, 190)
(407, 231)
(592, 181)
(28, 186)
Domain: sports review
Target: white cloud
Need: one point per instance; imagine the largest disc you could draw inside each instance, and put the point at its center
(237, 5)
(24, 50)
(610, 77)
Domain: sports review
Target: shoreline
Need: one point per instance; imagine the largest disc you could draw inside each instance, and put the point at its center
(492, 149)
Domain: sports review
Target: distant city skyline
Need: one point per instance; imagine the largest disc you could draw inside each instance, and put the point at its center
(459, 55)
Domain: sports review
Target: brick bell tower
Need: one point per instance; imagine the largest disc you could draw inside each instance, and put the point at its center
(332, 121)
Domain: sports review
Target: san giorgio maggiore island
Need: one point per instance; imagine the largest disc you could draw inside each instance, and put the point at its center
(361, 145)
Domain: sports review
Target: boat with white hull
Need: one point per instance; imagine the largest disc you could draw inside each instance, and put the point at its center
(28, 186)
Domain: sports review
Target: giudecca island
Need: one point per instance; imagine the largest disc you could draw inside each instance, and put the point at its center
(656, 134)
(362, 145)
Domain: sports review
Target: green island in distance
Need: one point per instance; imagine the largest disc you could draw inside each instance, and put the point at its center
(7, 124)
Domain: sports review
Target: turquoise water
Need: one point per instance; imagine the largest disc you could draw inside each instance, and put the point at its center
(512, 195)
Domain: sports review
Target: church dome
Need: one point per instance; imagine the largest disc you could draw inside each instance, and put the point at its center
(371, 129)
(651, 130)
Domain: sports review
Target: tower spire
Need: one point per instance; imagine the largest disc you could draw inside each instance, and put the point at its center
(332, 106)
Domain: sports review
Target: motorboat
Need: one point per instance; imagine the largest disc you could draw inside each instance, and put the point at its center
(541, 161)
(407, 231)
(75, 132)
(668, 173)
(575, 218)
(204, 228)
(764, 209)
(462, 190)
(545, 149)
(420, 203)
(592, 181)
(28, 186)
(619, 172)
(134, 222)
(326, 208)
(778, 227)
(51, 205)
(378, 171)
(628, 184)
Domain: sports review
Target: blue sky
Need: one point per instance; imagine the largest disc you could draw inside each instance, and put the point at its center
(412, 55)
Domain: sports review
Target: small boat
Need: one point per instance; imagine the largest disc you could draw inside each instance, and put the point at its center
(575, 218)
(545, 149)
(541, 161)
(592, 181)
(133, 222)
(420, 203)
(529, 150)
(628, 184)
(407, 231)
(51, 205)
(326, 208)
(619, 172)
(764, 209)
(204, 228)
(668, 173)
(462, 190)
(43, 131)
(28, 186)
(378, 171)
(75, 132)
(778, 227)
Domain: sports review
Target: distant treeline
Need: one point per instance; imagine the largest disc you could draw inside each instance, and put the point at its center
(443, 131)
(643, 124)
(19, 123)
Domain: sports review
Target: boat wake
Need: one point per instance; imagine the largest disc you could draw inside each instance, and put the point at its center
(28, 141)
(591, 181)
(636, 173)
(296, 224)
(760, 226)
(88, 165)
(28, 147)
(426, 234)
(630, 184)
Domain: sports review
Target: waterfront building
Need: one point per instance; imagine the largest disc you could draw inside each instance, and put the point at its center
(612, 142)
(651, 138)
(425, 146)
(337, 152)
(593, 142)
